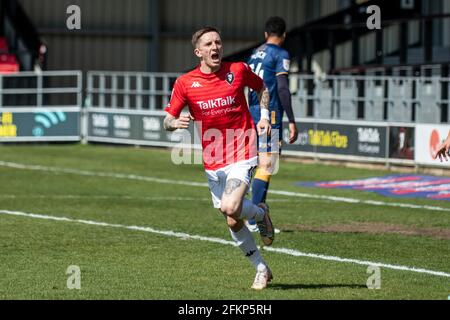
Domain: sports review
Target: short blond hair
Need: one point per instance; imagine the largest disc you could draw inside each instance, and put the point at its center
(198, 34)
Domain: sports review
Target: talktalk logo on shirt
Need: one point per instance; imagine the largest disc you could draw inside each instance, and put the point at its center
(215, 103)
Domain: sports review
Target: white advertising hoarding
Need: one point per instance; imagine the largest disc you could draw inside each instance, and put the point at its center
(428, 137)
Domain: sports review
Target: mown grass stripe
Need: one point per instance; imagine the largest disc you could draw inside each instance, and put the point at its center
(200, 184)
(183, 235)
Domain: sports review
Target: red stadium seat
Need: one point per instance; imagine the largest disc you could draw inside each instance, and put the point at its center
(8, 63)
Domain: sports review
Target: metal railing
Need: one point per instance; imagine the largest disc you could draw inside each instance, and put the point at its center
(344, 97)
(129, 90)
(372, 98)
(43, 89)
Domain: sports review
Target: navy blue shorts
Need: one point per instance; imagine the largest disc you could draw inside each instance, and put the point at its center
(272, 143)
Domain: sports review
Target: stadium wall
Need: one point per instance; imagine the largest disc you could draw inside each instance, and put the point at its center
(149, 35)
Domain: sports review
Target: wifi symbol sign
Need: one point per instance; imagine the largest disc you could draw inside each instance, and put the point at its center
(47, 119)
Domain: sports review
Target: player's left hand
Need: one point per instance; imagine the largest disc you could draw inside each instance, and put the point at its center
(263, 127)
(293, 133)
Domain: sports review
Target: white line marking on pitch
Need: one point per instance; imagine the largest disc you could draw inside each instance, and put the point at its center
(116, 197)
(185, 236)
(99, 197)
(200, 184)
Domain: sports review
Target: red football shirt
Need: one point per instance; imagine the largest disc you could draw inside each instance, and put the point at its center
(218, 105)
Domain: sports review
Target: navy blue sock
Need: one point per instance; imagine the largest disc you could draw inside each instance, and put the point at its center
(259, 193)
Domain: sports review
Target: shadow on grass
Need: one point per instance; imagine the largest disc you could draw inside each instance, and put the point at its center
(281, 286)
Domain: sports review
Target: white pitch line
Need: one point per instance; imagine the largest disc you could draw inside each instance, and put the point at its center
(353, 200)
(115, 197)
(199, 184)
(100, 174)
(185, 236)
(106, 197)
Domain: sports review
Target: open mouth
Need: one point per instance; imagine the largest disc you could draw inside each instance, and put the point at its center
(215, 57)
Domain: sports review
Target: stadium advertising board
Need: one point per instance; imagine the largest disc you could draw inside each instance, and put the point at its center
(38, 124)
(342, 139)
(401, 142)
(133, 127)
(428, 137)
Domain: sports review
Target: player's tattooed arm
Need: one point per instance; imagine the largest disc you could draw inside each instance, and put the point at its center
(232, 185)
(263, 126)
(171, 123)
(264, 98)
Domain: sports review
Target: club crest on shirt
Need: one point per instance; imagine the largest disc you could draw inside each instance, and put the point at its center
(229, 78)
(286, 64)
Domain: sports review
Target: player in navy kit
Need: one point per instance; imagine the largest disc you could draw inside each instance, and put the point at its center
(271, 63)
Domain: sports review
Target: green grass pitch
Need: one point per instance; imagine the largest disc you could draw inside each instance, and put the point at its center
(121, 263)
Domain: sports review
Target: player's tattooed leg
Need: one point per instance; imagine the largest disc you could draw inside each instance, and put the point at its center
(232, 185)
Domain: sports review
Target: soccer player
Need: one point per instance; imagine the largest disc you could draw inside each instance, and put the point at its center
(443, 149)
(271, 62)
(214, 93)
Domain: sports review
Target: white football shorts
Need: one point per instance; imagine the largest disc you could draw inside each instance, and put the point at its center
(217, 179)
